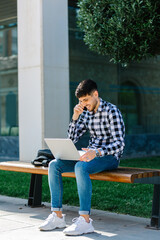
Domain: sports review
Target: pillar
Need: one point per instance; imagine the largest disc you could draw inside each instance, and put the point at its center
(43, 73)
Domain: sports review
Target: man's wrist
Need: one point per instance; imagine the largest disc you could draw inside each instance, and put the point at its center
(98, 152)
(75, 118)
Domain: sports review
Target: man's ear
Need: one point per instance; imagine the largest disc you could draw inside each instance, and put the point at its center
(96, 93)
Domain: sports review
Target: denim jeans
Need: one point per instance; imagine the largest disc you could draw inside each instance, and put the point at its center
(84, 185)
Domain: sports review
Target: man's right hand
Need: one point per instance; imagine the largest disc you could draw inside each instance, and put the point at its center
(78, 109)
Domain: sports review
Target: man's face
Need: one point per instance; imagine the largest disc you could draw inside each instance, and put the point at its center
(90, 101)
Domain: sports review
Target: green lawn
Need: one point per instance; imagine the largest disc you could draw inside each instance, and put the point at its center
(133, 199)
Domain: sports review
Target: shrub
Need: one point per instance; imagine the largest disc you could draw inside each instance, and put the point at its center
(124, 30)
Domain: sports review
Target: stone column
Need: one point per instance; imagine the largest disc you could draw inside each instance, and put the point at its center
(43, 73)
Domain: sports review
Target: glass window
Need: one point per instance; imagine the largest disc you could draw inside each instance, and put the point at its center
(8, 103)
(14, 41)
(8, 82)
(8, 41)
(129, 103)
(1, 43)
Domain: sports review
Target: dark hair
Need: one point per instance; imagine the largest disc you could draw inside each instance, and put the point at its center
(85, 87)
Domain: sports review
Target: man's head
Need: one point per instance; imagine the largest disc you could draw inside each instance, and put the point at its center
(86, 87)
(87, 93)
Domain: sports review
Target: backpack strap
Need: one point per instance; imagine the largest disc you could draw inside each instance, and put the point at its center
(38, 161)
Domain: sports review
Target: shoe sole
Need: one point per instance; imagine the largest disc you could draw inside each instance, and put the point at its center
(42, 229)
(78, 234)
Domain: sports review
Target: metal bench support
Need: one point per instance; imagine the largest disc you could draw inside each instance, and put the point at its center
(35, 192)
(155, 219)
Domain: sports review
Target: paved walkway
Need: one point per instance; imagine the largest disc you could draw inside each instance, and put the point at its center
(20, 222)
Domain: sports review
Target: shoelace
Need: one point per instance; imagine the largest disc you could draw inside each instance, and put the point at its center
(77, 220)
(51, 216)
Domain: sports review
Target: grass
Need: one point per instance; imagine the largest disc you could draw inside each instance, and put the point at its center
(133, 199)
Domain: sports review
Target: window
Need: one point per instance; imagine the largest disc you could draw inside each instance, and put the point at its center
(8, 81)
(8, 40)
(129, 103)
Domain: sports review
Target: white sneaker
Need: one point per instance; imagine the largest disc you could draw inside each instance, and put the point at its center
(79, 227)
(53, 222)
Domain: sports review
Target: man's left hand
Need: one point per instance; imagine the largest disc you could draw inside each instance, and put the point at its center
(88, 155)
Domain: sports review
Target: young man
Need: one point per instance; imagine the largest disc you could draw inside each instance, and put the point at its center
(104, 122)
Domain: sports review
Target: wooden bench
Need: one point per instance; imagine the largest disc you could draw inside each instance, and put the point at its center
(122, 174)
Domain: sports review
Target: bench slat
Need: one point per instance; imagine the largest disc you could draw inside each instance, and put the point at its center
(19, 166)
(122, 174)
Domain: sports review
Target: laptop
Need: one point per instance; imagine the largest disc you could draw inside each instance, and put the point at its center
(63, 148)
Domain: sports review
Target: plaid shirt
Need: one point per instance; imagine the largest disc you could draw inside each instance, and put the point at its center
(106, 129)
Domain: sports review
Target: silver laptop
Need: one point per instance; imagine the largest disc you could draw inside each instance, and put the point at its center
(63, 148)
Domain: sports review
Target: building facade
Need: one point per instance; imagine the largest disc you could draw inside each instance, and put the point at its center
(38, 77)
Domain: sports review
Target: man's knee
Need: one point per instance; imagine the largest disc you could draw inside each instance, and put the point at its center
(79, 167)
(53, 165)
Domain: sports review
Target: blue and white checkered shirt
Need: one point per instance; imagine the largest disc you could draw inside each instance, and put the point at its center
(106, 129)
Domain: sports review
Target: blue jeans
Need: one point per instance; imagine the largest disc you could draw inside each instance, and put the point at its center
(84, 185)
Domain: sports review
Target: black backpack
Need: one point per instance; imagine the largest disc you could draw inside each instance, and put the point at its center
(44, 156)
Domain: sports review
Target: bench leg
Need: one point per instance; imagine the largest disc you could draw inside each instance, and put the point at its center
(35, 192)
(155, 219)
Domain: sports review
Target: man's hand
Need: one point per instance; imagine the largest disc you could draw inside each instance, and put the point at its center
(88, 156)
(78, 109)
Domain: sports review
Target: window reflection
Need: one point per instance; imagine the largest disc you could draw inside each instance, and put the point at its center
(8, 81)
(8, 42)
(129, 102)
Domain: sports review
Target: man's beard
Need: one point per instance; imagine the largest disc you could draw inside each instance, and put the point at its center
(94, 106)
